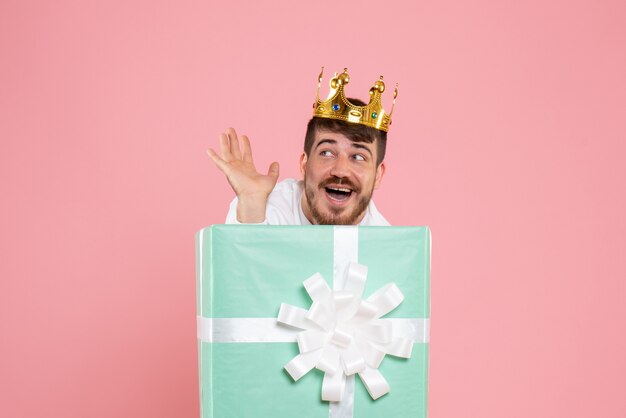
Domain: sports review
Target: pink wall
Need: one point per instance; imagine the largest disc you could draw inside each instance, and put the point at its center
(508, 140)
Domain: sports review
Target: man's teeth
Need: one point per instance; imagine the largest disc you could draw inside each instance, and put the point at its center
(340, 190)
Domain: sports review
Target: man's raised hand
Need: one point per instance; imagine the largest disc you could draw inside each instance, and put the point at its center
(252, 188)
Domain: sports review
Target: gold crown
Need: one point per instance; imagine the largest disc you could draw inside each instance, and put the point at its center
(337, 106)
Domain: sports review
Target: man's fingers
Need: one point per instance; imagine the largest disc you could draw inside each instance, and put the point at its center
(246, 149)
(273, 171)
(225, 147)
(221, 164)
(234, 144)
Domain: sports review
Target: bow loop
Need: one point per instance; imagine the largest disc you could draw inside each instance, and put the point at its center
(386, 299)
(376, 331)
(293, 316)
(317, 288)
(310, 340)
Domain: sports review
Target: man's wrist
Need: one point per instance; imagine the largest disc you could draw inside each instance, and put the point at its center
(251, 208)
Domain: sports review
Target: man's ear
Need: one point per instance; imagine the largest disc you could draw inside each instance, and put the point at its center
(303, 160)
(380, 172)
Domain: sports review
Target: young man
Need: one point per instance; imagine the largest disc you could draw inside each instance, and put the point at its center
(341, 165)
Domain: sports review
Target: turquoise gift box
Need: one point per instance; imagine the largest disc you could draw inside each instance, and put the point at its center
(245, 272)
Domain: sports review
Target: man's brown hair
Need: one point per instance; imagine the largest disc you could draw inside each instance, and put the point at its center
(353, 131)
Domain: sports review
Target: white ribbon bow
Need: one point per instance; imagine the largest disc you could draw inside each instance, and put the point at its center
(344, 335)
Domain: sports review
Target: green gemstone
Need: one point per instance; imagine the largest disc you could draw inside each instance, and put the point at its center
(374, 115)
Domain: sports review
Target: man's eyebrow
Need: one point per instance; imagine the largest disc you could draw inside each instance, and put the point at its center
(360, 146)
(326, 141)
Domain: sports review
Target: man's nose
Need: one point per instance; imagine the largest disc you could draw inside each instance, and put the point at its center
(340, 167)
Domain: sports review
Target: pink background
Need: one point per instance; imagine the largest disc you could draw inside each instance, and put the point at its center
(508, 140)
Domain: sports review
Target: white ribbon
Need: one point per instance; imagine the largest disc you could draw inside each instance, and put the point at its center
(267, 330)
(344, 335)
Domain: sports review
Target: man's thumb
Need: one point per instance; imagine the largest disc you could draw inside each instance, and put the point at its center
(273, 170)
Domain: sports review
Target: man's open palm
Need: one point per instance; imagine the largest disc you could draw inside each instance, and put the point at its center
(237, 164)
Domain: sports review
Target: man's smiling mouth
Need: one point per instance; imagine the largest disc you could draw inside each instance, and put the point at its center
(338, 194)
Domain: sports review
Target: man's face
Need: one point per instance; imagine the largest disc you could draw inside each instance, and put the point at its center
(339, 179)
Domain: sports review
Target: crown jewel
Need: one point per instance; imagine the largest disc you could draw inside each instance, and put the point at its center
(337, 106)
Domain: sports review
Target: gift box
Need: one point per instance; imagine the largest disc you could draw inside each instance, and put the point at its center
(265, 298)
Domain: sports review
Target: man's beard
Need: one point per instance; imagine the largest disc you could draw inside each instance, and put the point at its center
(335, 216)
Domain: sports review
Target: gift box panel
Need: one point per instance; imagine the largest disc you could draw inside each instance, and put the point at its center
(262, 389)
(248, 271)
(255, 268)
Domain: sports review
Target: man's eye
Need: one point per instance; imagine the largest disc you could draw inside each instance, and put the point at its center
(359, 157)
(326, 154)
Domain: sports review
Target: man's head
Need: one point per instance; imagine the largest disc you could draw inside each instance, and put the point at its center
(342, 164)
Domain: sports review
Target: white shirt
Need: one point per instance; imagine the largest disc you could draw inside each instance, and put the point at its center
(284, 207)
